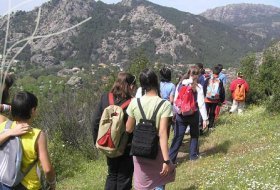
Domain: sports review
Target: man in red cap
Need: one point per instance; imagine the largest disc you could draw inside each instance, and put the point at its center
(239, 88)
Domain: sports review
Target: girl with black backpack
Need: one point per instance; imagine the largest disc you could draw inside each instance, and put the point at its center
(150, 173)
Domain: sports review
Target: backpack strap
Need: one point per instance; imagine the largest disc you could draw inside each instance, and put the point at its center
(125, 104)
(112, 102)
(30, 167)
(111, 99)
(8, 124)
(141, 109)
(156, 111)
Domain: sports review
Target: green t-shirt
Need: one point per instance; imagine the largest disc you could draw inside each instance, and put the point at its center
(149, 104)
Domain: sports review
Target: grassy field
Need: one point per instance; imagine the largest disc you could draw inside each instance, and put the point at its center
(243, 152)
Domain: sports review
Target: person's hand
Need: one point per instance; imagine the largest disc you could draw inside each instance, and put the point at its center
(20, 129)
(165, 169)
(204, 124)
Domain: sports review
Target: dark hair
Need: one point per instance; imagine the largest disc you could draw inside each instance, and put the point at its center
(200, 65)
(121, 87)
(216, 70)
(220, 66)
(149, 80)
(201, 69)
(9, 81)
(165, 74)
(22, 105)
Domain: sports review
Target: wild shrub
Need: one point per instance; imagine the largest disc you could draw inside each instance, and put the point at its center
(67, 122)
(263, 78)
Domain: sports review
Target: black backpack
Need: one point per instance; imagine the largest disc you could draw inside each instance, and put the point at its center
(145, 136)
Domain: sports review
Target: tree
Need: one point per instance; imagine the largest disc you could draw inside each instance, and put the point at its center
(250, 70)
(139, 63)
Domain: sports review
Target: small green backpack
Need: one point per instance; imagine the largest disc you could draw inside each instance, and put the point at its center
(112, 137)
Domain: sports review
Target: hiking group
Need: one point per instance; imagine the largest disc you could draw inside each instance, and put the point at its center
(130, 126)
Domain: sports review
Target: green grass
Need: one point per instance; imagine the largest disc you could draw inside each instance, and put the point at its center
(243, 152)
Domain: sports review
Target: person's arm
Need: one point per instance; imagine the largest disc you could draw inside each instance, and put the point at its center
(172, 94)
(44, 158)
(201, 105)
(163, 140)
(232, 86)
(18, 130)
(205, 87)
(130, 123)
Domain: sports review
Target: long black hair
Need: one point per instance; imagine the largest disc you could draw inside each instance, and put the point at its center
(165, 74)
(149, 81)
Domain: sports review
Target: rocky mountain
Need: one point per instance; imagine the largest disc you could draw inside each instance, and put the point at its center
(118, 32)
(262, 20)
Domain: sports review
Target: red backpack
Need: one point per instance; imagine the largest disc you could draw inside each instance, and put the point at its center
(185, 103)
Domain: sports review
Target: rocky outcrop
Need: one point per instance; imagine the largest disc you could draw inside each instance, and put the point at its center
(117, 31)
(262, 20)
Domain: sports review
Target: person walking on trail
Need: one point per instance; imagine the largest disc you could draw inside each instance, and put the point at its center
(34, 143)
(151, 173)
(167, 88)
(120, 169)
(189, 81)
(214, 95)
(238, 88)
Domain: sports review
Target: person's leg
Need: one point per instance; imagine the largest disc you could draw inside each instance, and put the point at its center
(111, 181)
(194, 132)
(125, 172)
(241, 106)
(233, 106)
(212, 108)
(200, 124)
(217, 111)
(179, 132)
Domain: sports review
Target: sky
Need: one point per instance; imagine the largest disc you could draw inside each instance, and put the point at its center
(192, 6)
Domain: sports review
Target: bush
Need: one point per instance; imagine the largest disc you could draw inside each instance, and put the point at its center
(67, 121)
(263, 78)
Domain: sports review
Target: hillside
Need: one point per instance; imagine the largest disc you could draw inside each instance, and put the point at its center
(242, 153)
(262, 20)
(117, 32)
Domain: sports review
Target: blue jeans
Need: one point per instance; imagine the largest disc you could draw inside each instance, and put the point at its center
(4, 187)
(179, 131)
(160, 187)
